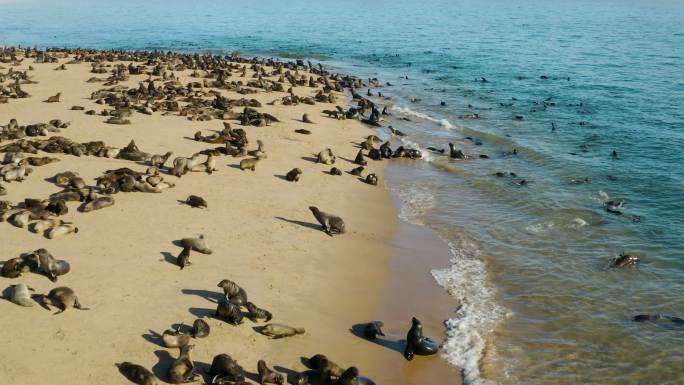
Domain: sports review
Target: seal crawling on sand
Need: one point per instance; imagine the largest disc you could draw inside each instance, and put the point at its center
(330, 223)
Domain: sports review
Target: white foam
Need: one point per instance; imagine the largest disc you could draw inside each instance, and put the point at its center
(407, 111)
(577, 222)
(416, 200)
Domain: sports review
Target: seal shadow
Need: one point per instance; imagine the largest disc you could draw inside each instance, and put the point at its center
(397, 346)
(211, 296)
(347, 159)
(237, 166)
(170, 258)
(201, 312)
(252, 376)
(314, 226)
(283, 177)
(310, 159)
(154, 338)
(161, 368)
(290, 374)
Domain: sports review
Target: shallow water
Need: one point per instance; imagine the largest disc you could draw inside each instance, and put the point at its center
(540, 305)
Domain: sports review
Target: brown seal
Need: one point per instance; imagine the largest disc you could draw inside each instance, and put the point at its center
(255, 313)
(196, 201)
(267, 375)
(62, 298)
(200, 328)
(54, 98)
(183, 369)
(293, 175)
(248, 164)
(330, 223)
(184, 258)
(280, 331)
(137, 374)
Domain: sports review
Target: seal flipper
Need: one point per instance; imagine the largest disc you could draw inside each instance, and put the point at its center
(78, 305)
(408, 352)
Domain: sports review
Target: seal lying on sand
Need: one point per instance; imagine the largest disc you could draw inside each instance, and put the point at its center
(137, 374)
(196, 201)
(326, 157)
(197, 244)
(20, 295)
(373, 329)
(293, 175)
(280, 331)
(62, 298)
(416, 343)
(330, 223)
(200, 328)
(225, 370)
(229, 312)
(255, 313)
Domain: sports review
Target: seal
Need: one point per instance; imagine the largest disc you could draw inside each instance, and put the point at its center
(625, 260)
(196, 201)
(357, 171)
(416, 343)
(98, 203)
(20, 295)
(326, 157)
(305, 119)
(323, 364)
(234, 293)
(62, 298)
(351, 377)
(159, 160)
(268, 376)
(335, 171)
(200, 329)
(175, 339)
(372, 179)
(658, 317)
(12, 268)
(183, 369)
(183, 258)
(137, 374)
(359, 158)
(63, 229)
(249, 164)
(330, 223)
(255, 313)
(229, 312)
(456, 154)
(224, 368)
(54, 98)
(293, 175)
(197, 244)
(373, 329)
(280, 331)
(48, 265)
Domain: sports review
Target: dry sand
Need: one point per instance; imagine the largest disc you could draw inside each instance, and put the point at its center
(257, 223)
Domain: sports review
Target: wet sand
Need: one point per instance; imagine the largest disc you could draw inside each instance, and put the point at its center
(123, 264)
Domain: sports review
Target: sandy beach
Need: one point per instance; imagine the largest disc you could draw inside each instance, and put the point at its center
(263, 236)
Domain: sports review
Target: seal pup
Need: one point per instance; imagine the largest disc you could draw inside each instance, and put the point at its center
(326, 157)
(137, 374)
(255, 313)
(373, 329)
(351, 377)
(357, 171)
(330, 223)
(48, 265)
(293, 175)
(20, 295)
(63, 229)
(248, 164)
(184, 258)
(223, 367)
(196, 201)
(276, 330)
(229, 312)
(268, 376)
(234, 293)
(183, 369)
(371, 179)
(416, 343)
(175, 339)
(359, 159)
(196, 244)
(62, 298)
(625, 260)
(657, 317)
(335, 171)
(159, 160)
(322, 363)
(54, 98)
(305, 118)
(200, 329)
(12, 268)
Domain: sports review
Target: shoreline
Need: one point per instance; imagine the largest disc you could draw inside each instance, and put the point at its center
(141, 282)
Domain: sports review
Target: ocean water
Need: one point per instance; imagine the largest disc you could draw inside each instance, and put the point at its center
(530, 263)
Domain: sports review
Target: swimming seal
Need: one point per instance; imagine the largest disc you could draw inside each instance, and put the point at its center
(197, 244)
(137, 374)
(625, 260)
(268, 376)
(416, 343)
(255, 313)
(175, 339)
(62, 298)
(224, 368)
(229, 312)
(293, 175)
(657, 317)
(183, 258)
(330, 223)
(183, 369)
(373, 329)
(280, 331)
(200, 329)
(196, 201)
(20, 295)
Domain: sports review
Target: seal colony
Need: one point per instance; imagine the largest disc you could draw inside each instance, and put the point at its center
(180, 129)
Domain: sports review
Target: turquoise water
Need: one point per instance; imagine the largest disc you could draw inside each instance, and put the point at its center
(530, 263)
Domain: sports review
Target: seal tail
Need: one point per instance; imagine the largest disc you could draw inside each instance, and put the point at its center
(78, 305)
